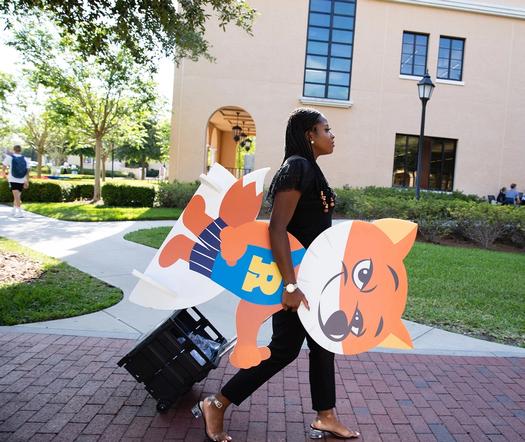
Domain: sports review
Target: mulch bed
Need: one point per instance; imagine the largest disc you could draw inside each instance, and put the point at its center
(16, 268)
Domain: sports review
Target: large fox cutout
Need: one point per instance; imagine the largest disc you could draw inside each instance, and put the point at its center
(353, 274)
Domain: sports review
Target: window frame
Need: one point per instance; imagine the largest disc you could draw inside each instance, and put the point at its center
(451, 39)
(415, 34)
(442, 161)
(330, 42)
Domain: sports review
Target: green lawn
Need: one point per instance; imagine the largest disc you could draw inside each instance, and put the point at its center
(83, 211)
(60, 292)
(465, 290)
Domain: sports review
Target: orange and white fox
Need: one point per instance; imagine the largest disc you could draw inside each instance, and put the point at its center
(352, 275)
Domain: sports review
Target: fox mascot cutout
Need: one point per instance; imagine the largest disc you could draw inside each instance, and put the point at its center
(352, 274)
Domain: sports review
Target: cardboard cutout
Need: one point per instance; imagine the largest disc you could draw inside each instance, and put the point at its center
(352, 274)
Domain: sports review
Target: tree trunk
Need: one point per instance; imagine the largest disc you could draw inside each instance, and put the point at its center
(143, 172)
(81, 163)
(98, 157)
(103, 167)
(39, 164)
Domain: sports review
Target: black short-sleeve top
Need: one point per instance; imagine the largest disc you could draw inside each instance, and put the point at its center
(309, 218)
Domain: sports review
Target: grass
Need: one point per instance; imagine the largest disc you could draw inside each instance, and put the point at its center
(60, 292)
(470, 291)
(149, 237)
(83, 211)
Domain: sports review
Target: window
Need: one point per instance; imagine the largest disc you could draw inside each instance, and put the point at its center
(437, 166)
(414, 54)
(450, 61)
(330, 39)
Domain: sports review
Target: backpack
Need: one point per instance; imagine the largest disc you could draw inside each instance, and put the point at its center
(18, 167)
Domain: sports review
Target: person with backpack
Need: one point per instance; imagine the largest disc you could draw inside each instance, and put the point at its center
(18, 177)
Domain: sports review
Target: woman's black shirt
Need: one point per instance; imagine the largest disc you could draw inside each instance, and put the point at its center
(309, 218)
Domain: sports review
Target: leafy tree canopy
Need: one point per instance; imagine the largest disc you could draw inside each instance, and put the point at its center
(147, 29)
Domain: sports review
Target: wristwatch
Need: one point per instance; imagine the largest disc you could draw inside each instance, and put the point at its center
(291, 287)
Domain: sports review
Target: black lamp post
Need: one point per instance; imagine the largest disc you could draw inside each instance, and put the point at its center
(425, 88)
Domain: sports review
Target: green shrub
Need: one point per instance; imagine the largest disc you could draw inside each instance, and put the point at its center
(484, 223)
(75, 192)
(42, 192)
(176, 194)
(128, 196)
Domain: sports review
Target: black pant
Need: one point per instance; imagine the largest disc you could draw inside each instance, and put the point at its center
(287, 339)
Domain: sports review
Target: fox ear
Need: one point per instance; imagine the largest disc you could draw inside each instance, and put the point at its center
(398, 338)
(402, 233)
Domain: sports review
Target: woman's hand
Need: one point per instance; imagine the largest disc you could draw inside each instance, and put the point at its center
(292, 301)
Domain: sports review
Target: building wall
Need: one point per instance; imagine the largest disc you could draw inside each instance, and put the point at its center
(263, 74)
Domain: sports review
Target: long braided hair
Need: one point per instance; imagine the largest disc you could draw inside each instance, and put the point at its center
(300, 121)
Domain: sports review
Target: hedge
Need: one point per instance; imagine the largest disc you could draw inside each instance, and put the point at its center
(176, 194)
(43, 192)
(73, 192)
(121, 195)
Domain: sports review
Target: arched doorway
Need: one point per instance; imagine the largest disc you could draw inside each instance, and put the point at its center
(231, 140)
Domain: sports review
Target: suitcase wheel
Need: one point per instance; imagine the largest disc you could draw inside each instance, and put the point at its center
(163, 406)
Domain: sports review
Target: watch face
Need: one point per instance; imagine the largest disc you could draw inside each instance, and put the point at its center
(290, 288)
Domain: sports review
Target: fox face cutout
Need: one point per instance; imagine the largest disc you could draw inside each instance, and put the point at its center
(356, 285)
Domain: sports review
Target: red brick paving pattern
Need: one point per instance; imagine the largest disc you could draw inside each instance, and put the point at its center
(69, 388)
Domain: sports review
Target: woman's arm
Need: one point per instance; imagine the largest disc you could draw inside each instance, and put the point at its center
(284, 205)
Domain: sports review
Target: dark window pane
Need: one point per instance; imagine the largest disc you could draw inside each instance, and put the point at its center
(406, 69)
(340, 50)
(341, 21)
(408, 38)
(319, 19)
(456, 55)
(443, 53)
(337, 92)
(421, 50)
(457, 45)
(313, 90)
(344, 8)
(321, 5)
(316, 62)
(342, 36)
(421, 40)
(339, 78)
(444, 43)
(419, 70)
(419, 60)
(340, 64)
(442, 63)
(456, 66)
(455, 75)
(315, 47)
(318, 33)
(315, 76)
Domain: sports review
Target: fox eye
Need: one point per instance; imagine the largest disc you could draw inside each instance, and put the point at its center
(362, 273)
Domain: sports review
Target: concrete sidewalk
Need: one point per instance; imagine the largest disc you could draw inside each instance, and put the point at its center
(100, 250)
(69, 388)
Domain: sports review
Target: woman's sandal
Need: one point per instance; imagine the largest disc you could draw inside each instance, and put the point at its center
(317, 433)
(198, 411)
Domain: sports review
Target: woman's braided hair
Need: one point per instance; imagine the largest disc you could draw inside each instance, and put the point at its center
(300, 121)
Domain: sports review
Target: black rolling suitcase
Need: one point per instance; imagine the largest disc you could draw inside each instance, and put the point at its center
(176, 354)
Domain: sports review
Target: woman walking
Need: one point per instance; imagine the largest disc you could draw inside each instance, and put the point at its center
(302, 204)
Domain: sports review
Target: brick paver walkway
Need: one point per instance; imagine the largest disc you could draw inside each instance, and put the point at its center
(56, 387)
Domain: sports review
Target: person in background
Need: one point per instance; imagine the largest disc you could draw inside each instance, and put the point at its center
(512, 195)
(18, 177)
(501, 195)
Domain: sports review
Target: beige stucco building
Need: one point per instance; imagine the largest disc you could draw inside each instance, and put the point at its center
(358, 62)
